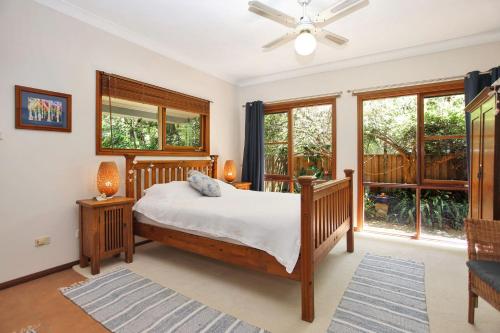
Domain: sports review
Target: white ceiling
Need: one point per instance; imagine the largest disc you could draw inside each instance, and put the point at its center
(223, 38)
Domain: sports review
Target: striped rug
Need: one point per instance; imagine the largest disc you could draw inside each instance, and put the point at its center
(123, 301)
(385, 295)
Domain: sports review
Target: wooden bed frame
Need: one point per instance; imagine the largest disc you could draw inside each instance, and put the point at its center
(326, 215)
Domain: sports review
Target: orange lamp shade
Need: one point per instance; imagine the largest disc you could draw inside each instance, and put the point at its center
(229, 171)
(108, 178)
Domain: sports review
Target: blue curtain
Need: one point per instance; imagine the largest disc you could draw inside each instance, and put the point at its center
(253, 155)
(474, 83)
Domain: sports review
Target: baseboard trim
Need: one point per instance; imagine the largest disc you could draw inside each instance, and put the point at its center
(37, 275)
(144, 242)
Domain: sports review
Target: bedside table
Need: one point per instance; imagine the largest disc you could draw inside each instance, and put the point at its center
(105, 230)
(242, 185)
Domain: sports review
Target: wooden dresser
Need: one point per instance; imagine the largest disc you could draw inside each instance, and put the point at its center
(105, 230)
(484, 191)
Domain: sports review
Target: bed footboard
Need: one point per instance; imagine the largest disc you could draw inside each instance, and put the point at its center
(326, 215)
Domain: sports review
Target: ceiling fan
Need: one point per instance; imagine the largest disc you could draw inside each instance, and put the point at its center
(306, 29)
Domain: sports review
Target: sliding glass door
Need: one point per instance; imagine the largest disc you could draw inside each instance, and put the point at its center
(390, 163)
(413, 161)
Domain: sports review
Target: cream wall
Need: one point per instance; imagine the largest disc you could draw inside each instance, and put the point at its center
(43, 173)
(432, 66)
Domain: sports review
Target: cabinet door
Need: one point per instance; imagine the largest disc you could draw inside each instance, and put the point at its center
(475, 155)
(111, 230)
(487, 159)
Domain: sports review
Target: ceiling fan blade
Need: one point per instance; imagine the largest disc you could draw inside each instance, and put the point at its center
(275, 15)
(330, 37)
(280, 41)
(339, 10)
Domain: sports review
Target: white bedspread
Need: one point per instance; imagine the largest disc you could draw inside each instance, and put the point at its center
(263, 220)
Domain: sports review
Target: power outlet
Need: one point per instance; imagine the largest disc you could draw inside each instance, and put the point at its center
(42, 241)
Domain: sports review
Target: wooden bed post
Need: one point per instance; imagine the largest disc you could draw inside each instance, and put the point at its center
(215, 166)
(129, 185)
(307, 246)
(350, 234)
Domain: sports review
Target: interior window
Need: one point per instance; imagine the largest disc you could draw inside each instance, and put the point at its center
(299, 139)
(141, 119)
(129, 125)
(183, 129)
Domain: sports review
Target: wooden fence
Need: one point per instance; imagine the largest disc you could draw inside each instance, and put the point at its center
(390, 169)
(276, 165)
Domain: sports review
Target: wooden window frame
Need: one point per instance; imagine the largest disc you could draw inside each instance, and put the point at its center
(423, 138)
(163, 99)
(421, 91)
(287, 107)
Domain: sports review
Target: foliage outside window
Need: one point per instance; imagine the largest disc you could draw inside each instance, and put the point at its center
(298, 140)
(183, 129)
(137, 118)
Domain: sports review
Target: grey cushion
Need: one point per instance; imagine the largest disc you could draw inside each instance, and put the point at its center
(203, 184)
(488, 271)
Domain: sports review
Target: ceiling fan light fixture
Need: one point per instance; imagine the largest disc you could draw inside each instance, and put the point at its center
(305, 43)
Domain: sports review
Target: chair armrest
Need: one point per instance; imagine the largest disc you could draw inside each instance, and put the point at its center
(483, 239)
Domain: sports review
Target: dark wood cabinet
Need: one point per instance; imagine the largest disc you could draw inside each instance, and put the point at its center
(484, 192)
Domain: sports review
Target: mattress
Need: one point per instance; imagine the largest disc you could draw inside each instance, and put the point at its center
(266, 221)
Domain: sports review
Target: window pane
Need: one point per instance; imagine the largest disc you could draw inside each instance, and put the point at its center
(130, 125)
(312, 141)
(444, 115)
(444, 135)
(183, 129)
(276, 159)
(390, 209)
(276, 186)
(276, 144)
(276, 127)
(445, 159)
(443, 213)
(390, 139)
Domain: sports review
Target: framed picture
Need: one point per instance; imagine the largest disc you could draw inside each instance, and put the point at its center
(43, 110)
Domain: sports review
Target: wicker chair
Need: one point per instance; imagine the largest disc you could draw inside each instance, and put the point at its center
(483, 240)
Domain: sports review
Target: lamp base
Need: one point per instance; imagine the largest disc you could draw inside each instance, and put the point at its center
(103, 197)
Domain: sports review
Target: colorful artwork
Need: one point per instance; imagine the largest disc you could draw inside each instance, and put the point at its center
(44, 110)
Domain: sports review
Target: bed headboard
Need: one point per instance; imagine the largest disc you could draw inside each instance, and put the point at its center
(142, 174)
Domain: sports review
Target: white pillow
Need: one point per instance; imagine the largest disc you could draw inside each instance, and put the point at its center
(173, 190)
(204, 184)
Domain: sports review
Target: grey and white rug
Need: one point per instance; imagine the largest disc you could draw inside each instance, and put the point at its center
(123, 301)
(385, 295)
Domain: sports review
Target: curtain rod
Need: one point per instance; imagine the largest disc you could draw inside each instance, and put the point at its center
(334, 94)
(405, 84)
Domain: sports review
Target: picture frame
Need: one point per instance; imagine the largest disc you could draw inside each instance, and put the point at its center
(42, 110)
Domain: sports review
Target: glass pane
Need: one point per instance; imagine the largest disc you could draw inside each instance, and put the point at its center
(443, 213)
(276, 127)
(445, 145)
(183, 129)
(276, 186)
(390, 210)
(444, 115)
(445, 159)
(131, 125)
(276, 159)
(312, 141)
(390, 139)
